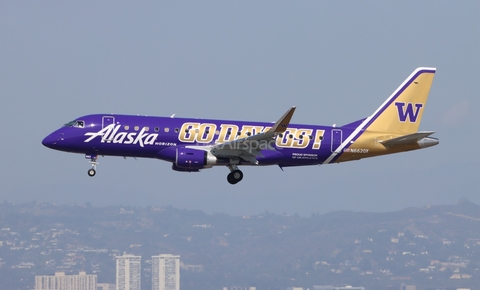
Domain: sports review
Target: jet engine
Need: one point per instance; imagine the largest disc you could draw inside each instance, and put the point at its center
(192, 160)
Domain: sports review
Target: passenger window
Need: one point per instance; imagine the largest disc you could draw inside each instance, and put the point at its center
(146, 129)
(166, 130)
(156, 129)
(126, 127)
(136, 128)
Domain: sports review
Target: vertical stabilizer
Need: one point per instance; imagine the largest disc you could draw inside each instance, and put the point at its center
(402, 112)
(393, 126)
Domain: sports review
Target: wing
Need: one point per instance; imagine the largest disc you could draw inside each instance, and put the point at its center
(249, 148)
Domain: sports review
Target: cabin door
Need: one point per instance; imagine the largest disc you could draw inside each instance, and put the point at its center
(107, 120)
(336, 138)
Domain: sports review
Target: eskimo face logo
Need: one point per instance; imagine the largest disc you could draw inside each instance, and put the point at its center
(110, 134)
(408, 112)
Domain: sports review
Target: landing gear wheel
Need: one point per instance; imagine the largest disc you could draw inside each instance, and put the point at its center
(93, 161)
(91, 172)
(235, 176)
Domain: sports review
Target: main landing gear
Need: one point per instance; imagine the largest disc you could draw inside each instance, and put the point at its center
(235, 175)
(93, 161)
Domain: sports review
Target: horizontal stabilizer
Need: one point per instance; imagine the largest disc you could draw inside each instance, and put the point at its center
(406, 139)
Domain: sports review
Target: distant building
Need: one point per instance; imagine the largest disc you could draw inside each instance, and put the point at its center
(128, 272)
(60, 281)
(191, 268)
(447, 288)
(330, 287)
(105, 286)
(166, 272)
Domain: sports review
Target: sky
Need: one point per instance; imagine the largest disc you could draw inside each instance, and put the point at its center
(337, 61)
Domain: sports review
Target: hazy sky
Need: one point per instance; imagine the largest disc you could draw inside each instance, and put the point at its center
(337, 61)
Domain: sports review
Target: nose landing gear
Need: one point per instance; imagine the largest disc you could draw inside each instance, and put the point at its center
(235, 175)
(93, 161)
(91, 172)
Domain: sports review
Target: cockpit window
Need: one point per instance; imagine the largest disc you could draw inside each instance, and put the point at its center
(69, 124)
(79, 124)
(76, 124)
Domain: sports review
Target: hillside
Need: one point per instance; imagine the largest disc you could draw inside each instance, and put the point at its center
(434, 246)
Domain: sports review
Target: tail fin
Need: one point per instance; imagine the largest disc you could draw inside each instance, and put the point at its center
(402, 112)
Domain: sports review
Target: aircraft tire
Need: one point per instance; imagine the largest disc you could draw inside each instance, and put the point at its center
(91, 172)
(230, 179)
(235, 176)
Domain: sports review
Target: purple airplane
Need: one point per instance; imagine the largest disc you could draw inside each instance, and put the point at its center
(194, 144)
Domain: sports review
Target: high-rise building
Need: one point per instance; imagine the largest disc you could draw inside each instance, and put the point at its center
(105, 286)
(60, 281)
(129, 272)
(166, 272)
(330, 287)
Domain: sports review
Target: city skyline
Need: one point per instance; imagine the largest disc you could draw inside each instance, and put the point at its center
(435, 245)
(165, 269)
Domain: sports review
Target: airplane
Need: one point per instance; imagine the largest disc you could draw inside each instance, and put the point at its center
(194, 144)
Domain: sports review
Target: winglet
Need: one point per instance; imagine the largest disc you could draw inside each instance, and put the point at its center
(282, 123)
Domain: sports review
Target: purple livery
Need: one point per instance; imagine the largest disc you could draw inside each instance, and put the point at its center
(194, 144)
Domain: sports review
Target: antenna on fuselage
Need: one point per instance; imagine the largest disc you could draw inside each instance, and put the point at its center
(172, 116)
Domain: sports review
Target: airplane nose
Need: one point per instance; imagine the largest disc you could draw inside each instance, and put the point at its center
(50, 141)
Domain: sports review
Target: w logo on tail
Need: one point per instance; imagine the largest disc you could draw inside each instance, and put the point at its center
(408, 112)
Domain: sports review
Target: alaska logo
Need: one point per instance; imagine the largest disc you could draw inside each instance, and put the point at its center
(110, 134)
(408, 112)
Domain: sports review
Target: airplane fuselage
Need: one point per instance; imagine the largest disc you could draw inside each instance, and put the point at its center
(194, 144)
(154, 137)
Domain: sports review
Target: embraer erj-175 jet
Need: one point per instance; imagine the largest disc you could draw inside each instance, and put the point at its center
(194, 144)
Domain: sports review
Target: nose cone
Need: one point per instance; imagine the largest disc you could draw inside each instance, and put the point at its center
(50, 141)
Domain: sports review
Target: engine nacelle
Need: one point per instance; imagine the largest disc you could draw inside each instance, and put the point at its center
(182, 169)
(188, 159)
